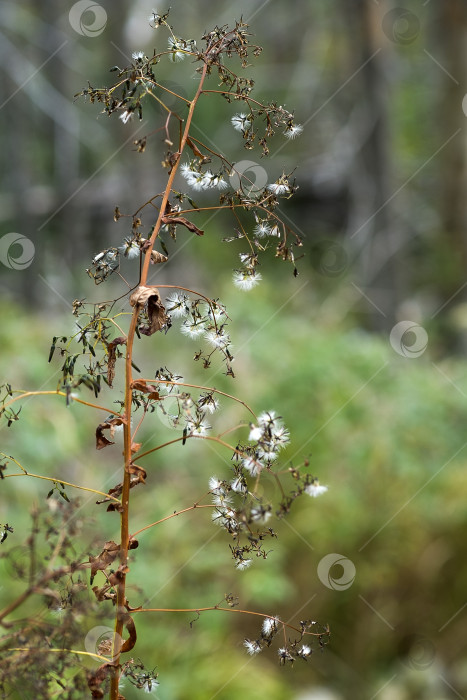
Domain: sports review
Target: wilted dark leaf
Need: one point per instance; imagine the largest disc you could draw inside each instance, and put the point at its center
(183, 222)
(104, 559)
(131, 641)
(145, 388)
(139, 471)
(150, 297)
(112, 350)
(104, 593)
(101, 440)
(96, 678)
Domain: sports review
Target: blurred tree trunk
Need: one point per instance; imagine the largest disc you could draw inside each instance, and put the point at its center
(452, 28)
(371, 181)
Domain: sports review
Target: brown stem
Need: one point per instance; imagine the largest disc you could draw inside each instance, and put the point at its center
(124, 532)
(124, 517)
(168, 189)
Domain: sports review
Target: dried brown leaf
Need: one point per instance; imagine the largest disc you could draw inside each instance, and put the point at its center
(101, 440)
(145, 388)
(104, 593)
(118, 575)
(112, 350)
(96, 678)
(138, 471)
(105, 558)
(131, 641)
(150, 297)
(183, 222)
(194, 148)
(157, 257)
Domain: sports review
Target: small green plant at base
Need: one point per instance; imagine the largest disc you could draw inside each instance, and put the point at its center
(102, 351)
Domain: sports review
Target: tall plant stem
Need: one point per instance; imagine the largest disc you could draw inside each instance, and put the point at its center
(124, 522)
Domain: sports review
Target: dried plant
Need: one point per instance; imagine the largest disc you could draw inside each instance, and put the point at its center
(104, 348)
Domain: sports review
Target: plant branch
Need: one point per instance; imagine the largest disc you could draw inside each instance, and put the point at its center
(65, 483)
(232, 610)
(198, 437)
(58, 651)
(172, 515)
(204, 388)
(25, 394)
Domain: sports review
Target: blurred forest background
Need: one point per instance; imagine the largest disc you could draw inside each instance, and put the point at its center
(380, 88)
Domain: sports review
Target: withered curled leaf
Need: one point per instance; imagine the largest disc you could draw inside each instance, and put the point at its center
(138, 476)
(145, 388)
(112, 350)
(150, 297)
(104, 593)
(118, 575)
(138, 472)
(131, 641)
(183, 222)
(104, 559)
(195, 149)
(157, 257)
(110, 424)
(96, 678)
(141, 295)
